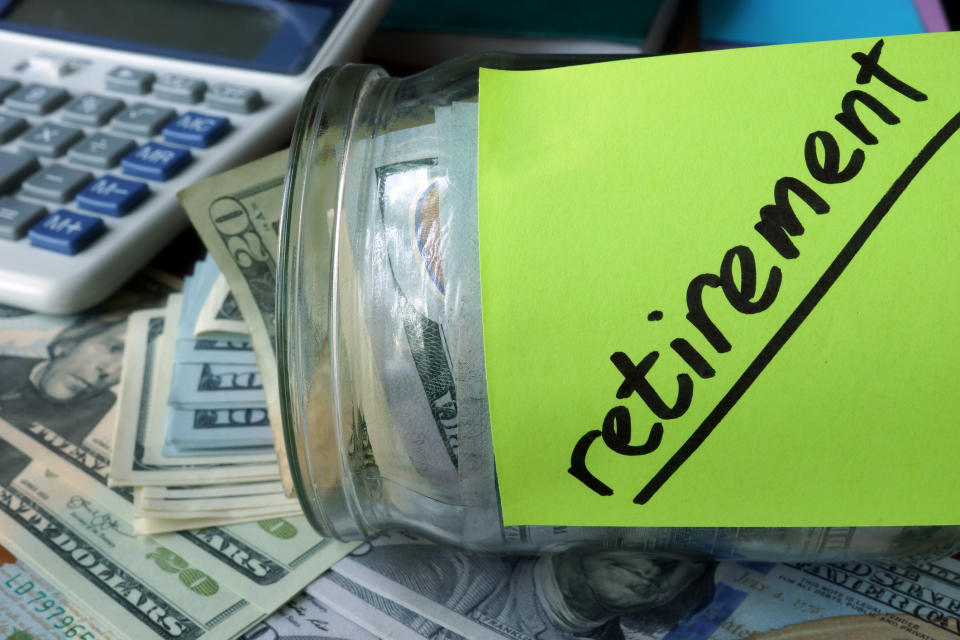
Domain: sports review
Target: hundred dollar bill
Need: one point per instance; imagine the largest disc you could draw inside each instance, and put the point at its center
(31, 608)
(919, 600)
(457, 132)
(237, 215)
(307, 619)
(130, 463)
(209, 384)
(143, 585)
(379, 616)
(233, 430)
(619, 593)
(219, 350)
(160, 415)
(864, 627)
(220, 312)
(215, 347)
(369, 322)
(397, 327)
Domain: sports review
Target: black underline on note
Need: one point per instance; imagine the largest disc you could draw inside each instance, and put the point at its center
(800, 314)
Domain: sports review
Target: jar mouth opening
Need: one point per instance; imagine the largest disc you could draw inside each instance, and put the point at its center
(315, 396)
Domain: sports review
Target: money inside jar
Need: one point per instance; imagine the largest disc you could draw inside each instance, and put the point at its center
(380, 341)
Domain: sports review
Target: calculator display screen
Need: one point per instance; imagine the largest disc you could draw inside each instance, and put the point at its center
(267, 34)
(218, 28)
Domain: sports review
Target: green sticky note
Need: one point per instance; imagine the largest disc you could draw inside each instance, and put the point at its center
(721, 289)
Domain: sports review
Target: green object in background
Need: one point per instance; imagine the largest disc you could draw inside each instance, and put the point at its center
(618, 200)
(624, 21)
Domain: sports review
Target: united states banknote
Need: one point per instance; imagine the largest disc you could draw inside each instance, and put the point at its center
(31, 608)
(237, 215)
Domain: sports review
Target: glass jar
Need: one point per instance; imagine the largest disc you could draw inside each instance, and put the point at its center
(379, 333)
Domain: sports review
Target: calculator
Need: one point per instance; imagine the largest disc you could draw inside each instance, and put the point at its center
(108, 108)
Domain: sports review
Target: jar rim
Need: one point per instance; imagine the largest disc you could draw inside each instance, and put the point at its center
(307, 305)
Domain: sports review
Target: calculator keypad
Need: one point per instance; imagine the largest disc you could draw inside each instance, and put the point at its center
(112, 196)
(194, 129)
(8, 86)
(178, 88)
(101, 150)
(234, 98)
(50, 139)
(11, 127)
(36, 99)
(155, 161)
(91, 110)
(14, 167)
(143, 119)
(66, 231)
(142, 140)
(16, 216)
(127, 80)
(56, 182)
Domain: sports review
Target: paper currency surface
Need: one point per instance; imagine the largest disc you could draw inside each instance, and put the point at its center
(400, 588)
(31, 608)
(237, 215)
(220, 312)
(306, 619)
(58, 415)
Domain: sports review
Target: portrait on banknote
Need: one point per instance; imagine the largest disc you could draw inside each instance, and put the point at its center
(69, 390)
(611, 595)
(59, 375)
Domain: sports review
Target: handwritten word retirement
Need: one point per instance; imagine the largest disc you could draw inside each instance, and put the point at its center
(739, 280)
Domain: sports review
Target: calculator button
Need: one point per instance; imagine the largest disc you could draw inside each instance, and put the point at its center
(56, 182)
(194, 129)
(66, 232)
(127, 80)
(112, 196)
(49, 139)
(46, 64)
(36, 99)
(91, 110)
(235, 98)
(8, 86)
(172, 86)
(14, 167)
(16, 216)
(143, 119)
(11, 127)
(155, 161)
(101, 150)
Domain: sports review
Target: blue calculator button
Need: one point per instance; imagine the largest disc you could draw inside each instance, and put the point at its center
(196, 129)
(155, 161)
(66, 232)
(112, 196)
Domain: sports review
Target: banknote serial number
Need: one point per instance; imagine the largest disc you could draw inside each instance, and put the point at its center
(35, 600)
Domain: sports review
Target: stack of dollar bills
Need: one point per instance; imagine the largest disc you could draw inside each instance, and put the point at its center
(199, 450)
(79, 561)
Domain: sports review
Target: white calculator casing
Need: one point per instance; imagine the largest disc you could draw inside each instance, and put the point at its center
(47, 281)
